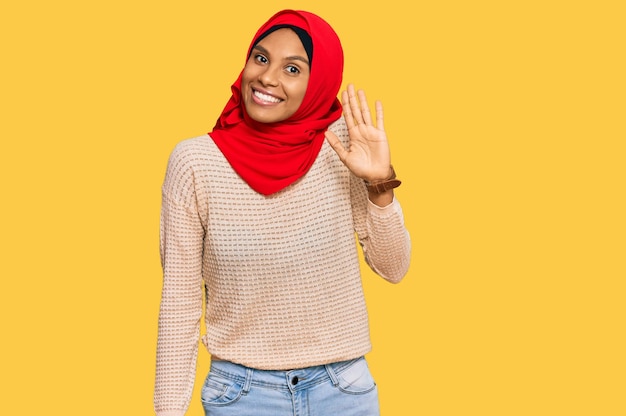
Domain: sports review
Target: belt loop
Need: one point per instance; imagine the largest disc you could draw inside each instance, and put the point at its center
(246, 384)
(331, 374)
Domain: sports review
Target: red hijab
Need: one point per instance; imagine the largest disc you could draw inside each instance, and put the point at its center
(272, 156)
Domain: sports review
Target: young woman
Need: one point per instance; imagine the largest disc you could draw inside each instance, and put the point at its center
(259, 217)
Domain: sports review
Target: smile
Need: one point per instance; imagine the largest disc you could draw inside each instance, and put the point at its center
(266, 98)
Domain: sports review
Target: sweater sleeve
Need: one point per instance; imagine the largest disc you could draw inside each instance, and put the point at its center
(382, 234)
(181, 243)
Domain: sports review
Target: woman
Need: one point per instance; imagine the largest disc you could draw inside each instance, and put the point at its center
(259, 217)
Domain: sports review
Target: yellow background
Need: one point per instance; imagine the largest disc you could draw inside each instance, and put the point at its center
(506, 121)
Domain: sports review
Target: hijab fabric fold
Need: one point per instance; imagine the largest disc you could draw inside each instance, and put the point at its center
(272, 156)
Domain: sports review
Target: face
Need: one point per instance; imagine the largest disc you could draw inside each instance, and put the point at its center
(275, 78)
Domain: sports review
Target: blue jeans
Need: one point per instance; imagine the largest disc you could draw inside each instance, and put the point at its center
(345, 388)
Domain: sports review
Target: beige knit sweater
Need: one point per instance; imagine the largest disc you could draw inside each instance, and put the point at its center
(280, 273)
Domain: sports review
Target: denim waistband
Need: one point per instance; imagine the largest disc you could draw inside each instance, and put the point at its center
(293, 380)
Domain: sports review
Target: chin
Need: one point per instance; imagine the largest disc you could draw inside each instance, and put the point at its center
(259, 118)
(264, 116)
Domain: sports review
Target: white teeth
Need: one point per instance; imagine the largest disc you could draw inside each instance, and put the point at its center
(266, 97)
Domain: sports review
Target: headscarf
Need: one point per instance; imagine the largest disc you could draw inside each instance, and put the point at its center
(272, 156)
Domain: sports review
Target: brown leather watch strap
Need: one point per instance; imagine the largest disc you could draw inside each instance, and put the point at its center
(379, 187)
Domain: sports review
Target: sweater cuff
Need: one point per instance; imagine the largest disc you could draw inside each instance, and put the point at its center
(383, 211)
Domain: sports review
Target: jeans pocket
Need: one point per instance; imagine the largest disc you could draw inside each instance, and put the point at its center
(356, 378)
(220, 391)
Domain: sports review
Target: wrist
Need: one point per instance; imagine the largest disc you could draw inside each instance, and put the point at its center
(381, 199)
(384, 185)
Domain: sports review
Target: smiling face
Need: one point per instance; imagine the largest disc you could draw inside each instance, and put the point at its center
(275, 78)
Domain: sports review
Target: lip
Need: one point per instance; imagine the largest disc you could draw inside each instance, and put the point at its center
(260, 101)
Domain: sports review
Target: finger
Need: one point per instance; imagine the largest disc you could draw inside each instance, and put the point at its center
(335, 143)
(354, 105)
(379, 116)
(347, 111)
(365, 109)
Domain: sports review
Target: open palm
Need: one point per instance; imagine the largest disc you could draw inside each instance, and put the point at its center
(367, 155)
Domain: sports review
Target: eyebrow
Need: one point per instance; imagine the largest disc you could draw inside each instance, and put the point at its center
(288, 58)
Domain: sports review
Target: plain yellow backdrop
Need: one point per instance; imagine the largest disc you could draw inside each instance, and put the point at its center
(506, 121)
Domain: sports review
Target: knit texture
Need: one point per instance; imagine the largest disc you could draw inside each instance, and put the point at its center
(280, 273)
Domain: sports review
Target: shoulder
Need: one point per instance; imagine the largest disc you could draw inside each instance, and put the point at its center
(189, 150)
(185, 165)
(191, 155)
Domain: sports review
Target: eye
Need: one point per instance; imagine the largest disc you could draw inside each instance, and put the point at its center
(260, 58)
(292, 69)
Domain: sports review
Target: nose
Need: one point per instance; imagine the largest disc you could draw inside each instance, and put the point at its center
(270, 76)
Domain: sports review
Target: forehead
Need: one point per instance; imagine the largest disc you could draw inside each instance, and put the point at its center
(282, 39)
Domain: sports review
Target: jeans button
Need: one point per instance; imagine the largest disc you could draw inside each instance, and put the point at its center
(294, 380)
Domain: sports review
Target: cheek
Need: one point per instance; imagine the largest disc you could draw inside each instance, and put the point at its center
(245, 77)
(299, 91)
(248, 72)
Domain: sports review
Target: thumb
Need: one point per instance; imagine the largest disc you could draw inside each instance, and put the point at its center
(335, 143)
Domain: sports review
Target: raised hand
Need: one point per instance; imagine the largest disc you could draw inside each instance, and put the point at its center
(367, 155)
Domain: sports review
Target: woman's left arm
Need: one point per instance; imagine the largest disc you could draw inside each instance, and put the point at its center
(382, 234)
(378, 217)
